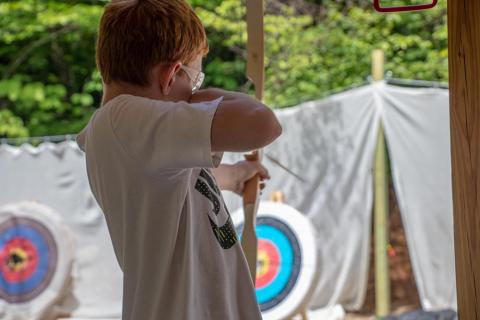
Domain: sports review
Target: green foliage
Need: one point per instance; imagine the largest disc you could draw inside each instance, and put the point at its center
(308, 56)
(49, 83)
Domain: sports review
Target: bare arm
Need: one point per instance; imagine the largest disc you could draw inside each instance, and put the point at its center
(241, 123)
(232, 177)
(224, 174)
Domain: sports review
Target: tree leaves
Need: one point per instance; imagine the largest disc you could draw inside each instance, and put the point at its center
(47, 62)
(51, 86)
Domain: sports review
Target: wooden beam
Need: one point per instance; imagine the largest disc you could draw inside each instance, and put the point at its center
(464, 74)
(380, 211)
(378, 65)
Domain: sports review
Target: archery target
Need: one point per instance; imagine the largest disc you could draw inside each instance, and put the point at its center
(36, 256)
(287, 267)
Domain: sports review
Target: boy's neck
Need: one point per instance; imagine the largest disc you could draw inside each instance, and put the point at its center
(112, 90)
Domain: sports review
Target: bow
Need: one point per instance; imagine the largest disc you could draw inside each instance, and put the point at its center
(255, 72)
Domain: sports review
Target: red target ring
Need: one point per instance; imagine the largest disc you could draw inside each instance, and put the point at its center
(268, 263)
(19, 259)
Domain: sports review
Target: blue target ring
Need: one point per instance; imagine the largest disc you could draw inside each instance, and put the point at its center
(269, 292)
(27, 233)
(286, 243)
(24, 274)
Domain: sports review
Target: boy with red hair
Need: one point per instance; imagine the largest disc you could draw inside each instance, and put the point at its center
(153, 154)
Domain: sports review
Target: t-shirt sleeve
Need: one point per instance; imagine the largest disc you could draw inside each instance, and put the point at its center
(166, 135)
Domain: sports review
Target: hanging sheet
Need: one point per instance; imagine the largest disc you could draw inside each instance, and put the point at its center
(331, 144)
(55, 175)
(417, 129)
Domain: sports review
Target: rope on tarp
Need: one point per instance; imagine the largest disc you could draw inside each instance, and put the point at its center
(38, 140)
(389, 79)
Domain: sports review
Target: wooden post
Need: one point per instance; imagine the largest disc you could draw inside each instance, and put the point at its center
(464, 74)
(382, 276)
(277, 196)
(378, 65)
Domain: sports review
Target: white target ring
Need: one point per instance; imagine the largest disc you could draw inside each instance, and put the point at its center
(287, 259)
(36, 258)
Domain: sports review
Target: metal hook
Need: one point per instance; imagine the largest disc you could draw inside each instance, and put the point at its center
(415, 7)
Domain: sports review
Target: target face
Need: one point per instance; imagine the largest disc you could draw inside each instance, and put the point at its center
(36, 256)
(279, 259)
(28, 259)
(286, 259)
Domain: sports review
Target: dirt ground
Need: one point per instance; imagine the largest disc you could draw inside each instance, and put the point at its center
(404, 294)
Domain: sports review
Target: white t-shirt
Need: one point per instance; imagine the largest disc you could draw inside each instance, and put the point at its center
(148, 166)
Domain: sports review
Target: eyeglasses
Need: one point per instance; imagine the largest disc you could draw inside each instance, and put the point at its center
(197, 80)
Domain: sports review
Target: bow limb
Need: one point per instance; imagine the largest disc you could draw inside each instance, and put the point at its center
(255, 72)
(251, 197)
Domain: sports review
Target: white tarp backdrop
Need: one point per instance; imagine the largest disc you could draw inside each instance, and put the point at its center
(417, 130)
(55, 175)
(331, 144)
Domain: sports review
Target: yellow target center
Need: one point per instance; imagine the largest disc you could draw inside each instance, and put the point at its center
(16, 260)
(263, 263)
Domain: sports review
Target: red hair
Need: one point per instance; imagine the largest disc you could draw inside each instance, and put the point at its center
(136, 35)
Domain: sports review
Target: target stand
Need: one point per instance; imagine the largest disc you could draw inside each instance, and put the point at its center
(287, 263)
(36, 257)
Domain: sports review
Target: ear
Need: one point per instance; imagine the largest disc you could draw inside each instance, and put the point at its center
(168, 74)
